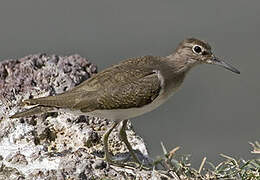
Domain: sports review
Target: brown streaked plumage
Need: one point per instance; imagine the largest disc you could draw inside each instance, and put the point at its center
(131, 88)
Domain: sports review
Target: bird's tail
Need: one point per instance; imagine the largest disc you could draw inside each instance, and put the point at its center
(32, 111)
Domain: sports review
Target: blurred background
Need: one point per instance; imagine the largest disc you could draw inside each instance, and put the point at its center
(215, 112)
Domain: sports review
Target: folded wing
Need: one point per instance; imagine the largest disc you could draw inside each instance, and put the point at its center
(126, 85)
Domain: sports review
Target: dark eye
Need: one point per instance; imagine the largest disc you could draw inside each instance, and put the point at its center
(197, 49)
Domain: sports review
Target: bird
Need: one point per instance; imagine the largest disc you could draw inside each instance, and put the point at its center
(129, 89)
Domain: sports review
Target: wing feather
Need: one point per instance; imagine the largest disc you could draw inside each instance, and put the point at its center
(129, 84)
(128, 95)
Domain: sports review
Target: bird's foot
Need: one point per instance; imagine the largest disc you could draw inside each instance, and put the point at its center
(121, 163)
(125, 163)
(110, 161)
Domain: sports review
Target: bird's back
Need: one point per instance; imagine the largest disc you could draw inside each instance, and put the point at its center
(115, 87)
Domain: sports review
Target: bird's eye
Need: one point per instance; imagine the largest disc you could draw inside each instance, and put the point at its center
(197, 49)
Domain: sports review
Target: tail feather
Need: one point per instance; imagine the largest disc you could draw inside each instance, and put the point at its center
(32, 111)
(62, 100)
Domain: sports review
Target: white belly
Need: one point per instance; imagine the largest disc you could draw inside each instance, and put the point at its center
(122, 114)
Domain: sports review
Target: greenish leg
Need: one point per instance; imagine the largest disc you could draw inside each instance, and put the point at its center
(123, 137)
(107, 156)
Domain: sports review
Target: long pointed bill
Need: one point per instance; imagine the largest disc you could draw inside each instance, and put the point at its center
(221, 63)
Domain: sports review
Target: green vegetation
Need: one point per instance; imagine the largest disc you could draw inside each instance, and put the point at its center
(179, 167)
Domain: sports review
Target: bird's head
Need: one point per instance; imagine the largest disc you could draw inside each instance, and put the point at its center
(194, 51)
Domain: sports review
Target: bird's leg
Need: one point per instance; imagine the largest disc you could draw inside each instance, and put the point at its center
(123, 137)
(107, 156)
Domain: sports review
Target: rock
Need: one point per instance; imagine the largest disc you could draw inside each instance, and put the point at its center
(99, 164)
(56, 145)
(17, 159)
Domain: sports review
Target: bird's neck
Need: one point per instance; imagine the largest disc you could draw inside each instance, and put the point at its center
(179, 63)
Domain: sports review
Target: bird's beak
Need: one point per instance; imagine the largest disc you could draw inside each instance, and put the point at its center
(219, 62)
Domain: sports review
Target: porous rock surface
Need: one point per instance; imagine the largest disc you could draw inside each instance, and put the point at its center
(56, 145)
